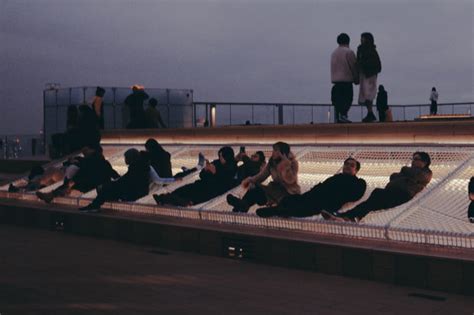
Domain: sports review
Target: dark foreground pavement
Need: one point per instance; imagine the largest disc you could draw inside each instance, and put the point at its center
(45, 272)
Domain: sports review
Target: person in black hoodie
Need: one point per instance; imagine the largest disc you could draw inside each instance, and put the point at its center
(215, 179)
(251, 165)
(84, 174)
(329, 195)
(369, 64)
(160, 159)
(130, 187)
(382, 103)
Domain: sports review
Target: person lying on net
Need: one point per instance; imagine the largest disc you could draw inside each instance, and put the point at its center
(329, 195)
(84, 174)
(216, 178)
(401, 188)
(130, 187)
(283, 168)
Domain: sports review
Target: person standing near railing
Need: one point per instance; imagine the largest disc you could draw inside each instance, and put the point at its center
(382, 103)
(343, 74)
(369, 64)
(98, 106)
(135, 103)
(434, 101)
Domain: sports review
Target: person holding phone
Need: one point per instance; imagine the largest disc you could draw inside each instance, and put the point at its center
(283, 168)
(216, 178)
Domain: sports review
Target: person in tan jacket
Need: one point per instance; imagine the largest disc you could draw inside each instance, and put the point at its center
(283, 168)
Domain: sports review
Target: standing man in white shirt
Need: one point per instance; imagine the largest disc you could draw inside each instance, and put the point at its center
(434, 101)
(344, 73)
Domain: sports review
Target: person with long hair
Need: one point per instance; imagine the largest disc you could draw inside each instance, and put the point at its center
(160, 159)
(369, 64)
(283, 168)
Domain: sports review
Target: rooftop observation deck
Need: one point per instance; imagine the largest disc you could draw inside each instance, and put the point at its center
(435, 216)
(426, 243)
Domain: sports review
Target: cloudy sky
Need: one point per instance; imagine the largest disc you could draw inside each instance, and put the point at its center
(227, 50)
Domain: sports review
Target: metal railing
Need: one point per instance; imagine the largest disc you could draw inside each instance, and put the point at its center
(21, 146)
(235, 113)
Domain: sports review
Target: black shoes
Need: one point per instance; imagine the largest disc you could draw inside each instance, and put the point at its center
(369, 118)
(46, 197)
(237, 203)
(267, 212)
(12, 188)
(339, 217)
(90, 208)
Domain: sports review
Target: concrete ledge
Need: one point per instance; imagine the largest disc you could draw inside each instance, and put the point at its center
(427, 267)
(429, 132)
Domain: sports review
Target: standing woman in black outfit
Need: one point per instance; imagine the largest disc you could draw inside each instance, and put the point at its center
(98, 106)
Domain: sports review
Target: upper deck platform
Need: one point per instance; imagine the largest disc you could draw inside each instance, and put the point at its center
(435, 216)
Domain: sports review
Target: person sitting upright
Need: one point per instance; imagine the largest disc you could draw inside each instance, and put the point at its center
(85, 174)
(329, 195)
(215, 179)
(130, 187)
(160, 159)
(251, 165)
(283, 168)
(401, 188)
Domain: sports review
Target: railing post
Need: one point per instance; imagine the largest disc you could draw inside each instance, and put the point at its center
(253, 122)
(280, 114)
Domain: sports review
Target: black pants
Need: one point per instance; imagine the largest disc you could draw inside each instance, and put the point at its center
(342, 95)
(113, 191)
(299, 206)
(470, 212)
(434, 108)
(382, 116)
(253, 196)
(379, 199)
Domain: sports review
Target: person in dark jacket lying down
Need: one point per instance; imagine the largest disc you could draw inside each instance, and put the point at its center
(329, 195)
(130, 187)
(215, 179)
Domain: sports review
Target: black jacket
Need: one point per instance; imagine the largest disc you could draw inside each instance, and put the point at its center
(93, 171)
(368, 60)
(337, 190)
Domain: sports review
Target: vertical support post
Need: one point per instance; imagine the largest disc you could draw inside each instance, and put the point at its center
(168, 107)
(280, 114)
(212, 122)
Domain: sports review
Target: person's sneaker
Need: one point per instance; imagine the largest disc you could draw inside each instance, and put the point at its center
(335, 216)
(234, 202)
(157, 199)
(201, 160)
(266, 212)
(90, 208)
(471, 220)
(343, 119)
(13, 189)
(46, 197)
(369, 118)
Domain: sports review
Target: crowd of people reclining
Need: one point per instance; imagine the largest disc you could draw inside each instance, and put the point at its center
(151, 169)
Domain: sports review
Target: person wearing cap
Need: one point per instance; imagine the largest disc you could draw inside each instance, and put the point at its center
(135, 104)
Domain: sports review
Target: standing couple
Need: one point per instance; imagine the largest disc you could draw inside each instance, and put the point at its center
(347, 69)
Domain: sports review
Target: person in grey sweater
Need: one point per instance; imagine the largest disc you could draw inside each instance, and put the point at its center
(401, 188)
(343, 74)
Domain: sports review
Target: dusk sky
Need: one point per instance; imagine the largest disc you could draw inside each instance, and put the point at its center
(227, 50)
